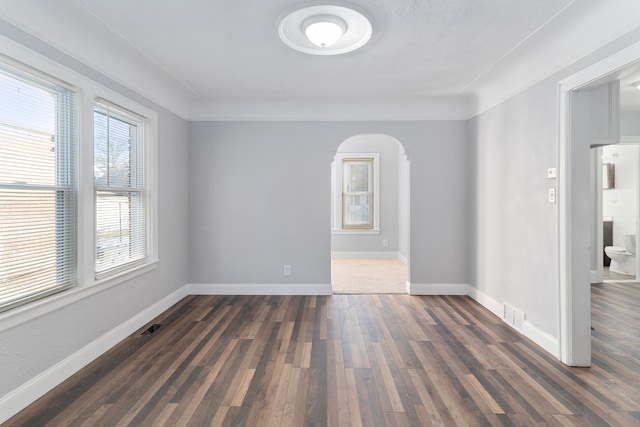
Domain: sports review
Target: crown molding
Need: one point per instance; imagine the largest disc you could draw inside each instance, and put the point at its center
(330, 108)
(82, 37)
(573, 34)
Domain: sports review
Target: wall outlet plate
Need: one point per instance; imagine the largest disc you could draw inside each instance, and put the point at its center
(551, 173)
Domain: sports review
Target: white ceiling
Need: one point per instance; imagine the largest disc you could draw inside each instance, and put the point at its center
(232, 48)
(218, 54)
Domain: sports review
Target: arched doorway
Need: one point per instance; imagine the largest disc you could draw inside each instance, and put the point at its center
(370, 216)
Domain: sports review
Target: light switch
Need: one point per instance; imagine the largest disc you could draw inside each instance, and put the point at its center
(551, 173)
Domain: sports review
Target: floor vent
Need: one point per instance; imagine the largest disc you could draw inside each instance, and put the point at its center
(514, 317)
(151, 329)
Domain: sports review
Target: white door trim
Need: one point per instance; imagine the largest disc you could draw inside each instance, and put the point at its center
(574, 306)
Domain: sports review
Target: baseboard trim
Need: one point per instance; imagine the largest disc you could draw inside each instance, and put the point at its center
(438, 288)
(486, 301)
(366, 255)
(403, 258)
(258, 289)
(541, 338)
(29, 392)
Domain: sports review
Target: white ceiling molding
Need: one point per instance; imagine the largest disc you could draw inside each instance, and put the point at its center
(83, 37)
(573, 34)
(570, 34)
(330, 108)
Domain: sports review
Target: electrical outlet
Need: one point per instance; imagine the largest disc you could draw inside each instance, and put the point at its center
(385, 242)
(552, 195)
(286, 270)
(551, 173)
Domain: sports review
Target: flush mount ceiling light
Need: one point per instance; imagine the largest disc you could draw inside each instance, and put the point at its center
(325, 30)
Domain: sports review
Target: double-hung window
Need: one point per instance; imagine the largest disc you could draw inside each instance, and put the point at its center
(357, 193)
(38, 145)
(119, 184)
(355, 186)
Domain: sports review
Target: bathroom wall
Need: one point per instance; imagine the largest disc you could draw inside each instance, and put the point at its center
(620, 202)
(630, 123)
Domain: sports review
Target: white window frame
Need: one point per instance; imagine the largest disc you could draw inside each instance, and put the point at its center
(66, 137)
(87, 91)
(336, 196)
(130, 117)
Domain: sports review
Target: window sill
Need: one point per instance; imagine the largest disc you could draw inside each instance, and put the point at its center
(340, 232)
(25, 313)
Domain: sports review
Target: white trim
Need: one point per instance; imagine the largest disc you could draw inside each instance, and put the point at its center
(87, 90)
(27, 393)
(30, 391)
(38, 308)
(541, 338)
(334, 109)
(438, 288)
(486, 301)
(570, 298)
(403, 258)
(115, 59)
(258, 289)
(354, 232)
(338, 171)
(366, 255)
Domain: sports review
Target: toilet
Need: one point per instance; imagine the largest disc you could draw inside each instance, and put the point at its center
(623, 259)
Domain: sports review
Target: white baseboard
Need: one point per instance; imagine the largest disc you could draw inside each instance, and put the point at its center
(366, 255)
(29, 392)
(23, 396)
(438, 288)
(486, 301)
(543, 339)
(403, 258)
(258, 289)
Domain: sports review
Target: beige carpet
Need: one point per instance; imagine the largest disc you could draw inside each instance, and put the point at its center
(368, 276)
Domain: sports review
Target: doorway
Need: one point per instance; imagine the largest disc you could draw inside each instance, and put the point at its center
(575, 205)
(615, 173)
(370, 216)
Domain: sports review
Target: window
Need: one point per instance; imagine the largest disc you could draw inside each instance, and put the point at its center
(355, 193)
(119, 184)
(38, 134)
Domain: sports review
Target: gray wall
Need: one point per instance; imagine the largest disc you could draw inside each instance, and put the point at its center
(630, 123)
(389, 151)
(260, 198)
(33, 347)
(513, 229)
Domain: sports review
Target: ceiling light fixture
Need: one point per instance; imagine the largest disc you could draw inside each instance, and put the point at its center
(325, 30)
(636, 85)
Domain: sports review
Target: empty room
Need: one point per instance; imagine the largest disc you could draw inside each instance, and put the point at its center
(286, 213)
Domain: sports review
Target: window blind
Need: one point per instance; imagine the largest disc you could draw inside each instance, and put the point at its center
(120, 198)
(38, 133)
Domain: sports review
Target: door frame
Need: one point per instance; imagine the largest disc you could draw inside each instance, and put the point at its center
(574, 299)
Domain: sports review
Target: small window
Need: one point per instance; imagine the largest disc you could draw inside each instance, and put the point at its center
(38, 129)
(357, 194)
(121, 223)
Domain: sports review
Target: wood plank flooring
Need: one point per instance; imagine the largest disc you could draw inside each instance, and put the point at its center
(351, 360)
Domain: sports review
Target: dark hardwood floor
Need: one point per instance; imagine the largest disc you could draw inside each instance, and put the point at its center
(352, 360)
